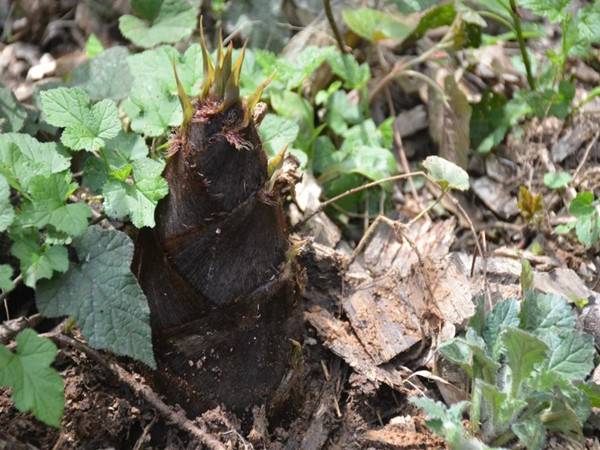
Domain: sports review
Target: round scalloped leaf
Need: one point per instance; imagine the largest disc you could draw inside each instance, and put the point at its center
(447, 174)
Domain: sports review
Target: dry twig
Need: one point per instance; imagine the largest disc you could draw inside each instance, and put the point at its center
(361, 188)
(586, 154)
(11, 328)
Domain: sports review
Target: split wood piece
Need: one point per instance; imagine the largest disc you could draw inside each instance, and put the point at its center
(390, 314)
(408, 293)
(385, 251)
(142, 390)
(496, 196)
(11, 328)
(339, 338)
(574, 138)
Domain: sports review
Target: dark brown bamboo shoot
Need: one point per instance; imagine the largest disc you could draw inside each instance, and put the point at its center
(222, 291)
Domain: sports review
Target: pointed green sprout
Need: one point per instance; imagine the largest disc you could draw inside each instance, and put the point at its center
(253, 99)
(186, 103)
(207, 65)
(222, 79)
(232, 88)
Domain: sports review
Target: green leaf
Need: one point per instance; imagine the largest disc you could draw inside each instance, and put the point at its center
(541, 312)
(6, 282)
(85, 127)
(469, 354)
(164, 22)
(12, 114)
(524, 352)
(582, 204)
(154, 106)
(438, 16)
(118, 153)
(551, 102)
(325, 155)
(505, 314)
(562, 100)
(346, 67)
(386, 129)
(412, 6)
(587, 229)
(552, 9)
(125, 147)
(292, 73)
(557, 180)
(587, 225)
(146, 9)
(22, 157)
(488, 122)
(571, 354)
(592, 391)
(137, 200)
(477, 320)
(7, 213)
(567, 407)
(47, 205)
(375, 25)
(446, 173)
(341, 112)
(531, 433)
(444, 421)
(93, 46)
(363, 133)
(458, 352)
(373, 162)
(447, 423)
(497, 408)
(103, 296)
(36, 261)
(36, 386)
(361, 153)
(263, 23)
(105, 76)
(565, 227)
(526, 279)
(275, 132)
(295, 107)
(483, 366)
(585, 30)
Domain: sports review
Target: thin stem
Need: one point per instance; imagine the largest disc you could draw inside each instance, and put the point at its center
(586, 154)
(436, 87)
(401, 152)
(10, 328)
(504, 438)
(400, 68)
(475, 410)
(17, 281)
(590, 96)
(522, 47)
(333, 25)
(429, 208)
(498, 18)
(361, 188)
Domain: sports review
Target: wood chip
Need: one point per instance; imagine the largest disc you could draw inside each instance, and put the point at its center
(496, 197)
